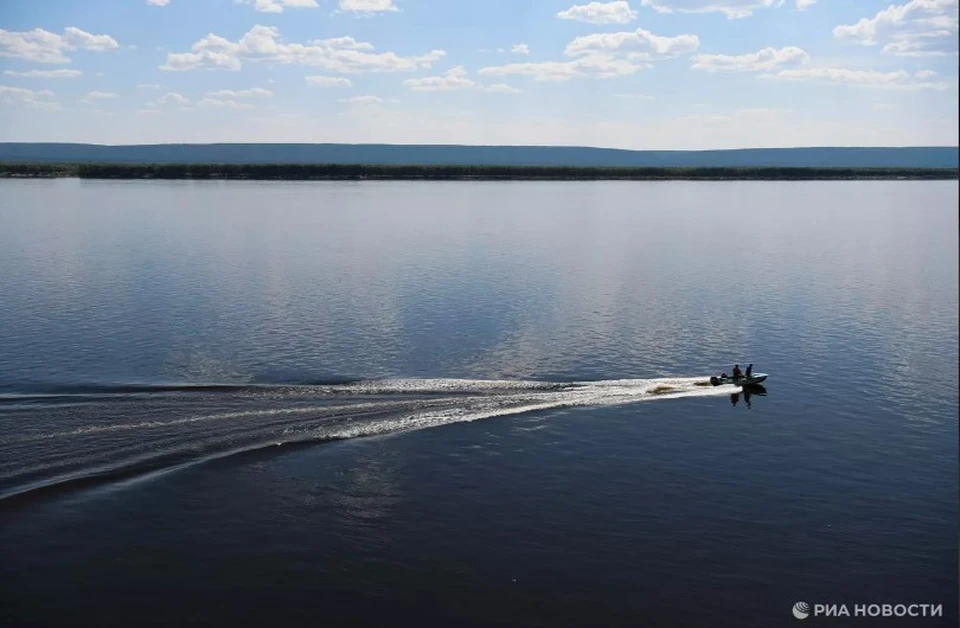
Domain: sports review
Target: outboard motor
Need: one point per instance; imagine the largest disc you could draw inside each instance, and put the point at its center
(715, 380)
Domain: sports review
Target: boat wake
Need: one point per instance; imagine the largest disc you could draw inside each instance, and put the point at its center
(54, 438)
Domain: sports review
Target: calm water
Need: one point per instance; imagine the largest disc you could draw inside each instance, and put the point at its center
(213, 395)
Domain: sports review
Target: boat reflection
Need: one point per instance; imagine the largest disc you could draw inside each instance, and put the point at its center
(748, 392)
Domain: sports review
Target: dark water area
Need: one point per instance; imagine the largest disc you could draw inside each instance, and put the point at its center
(228, 403)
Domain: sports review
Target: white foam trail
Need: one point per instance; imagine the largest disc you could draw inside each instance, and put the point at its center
(491, 397)
(427, 386)
(419, 404)
(522, 397)
(123, 427)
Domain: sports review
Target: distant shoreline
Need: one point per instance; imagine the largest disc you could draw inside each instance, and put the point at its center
(353, 172)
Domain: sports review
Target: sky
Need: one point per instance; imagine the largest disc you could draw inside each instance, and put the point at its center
(638, 74)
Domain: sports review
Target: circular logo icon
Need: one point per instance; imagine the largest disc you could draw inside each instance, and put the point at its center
(801, 610)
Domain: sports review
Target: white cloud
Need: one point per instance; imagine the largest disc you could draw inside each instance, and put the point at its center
(173, 98)
(149, 86)
(48, 74)
(148, 111)
(766, 59)
(27, 97)
(602, 56)
(277, 6)
(242, 93)
(100, 96)
(36, 45)
(368, 7)
(919, 28)
(158, 3)
(206, 59)
(42, 46)
(502, 88)
(591, 66)
(228, 104)
(644, 40)
(367, 107)
(362, 100)
(455, 79)
(77, 38)
(328, 81)
(804, 4)
(45, 105)
(733, 9)
(636, 96)
(263, 43)
(896, 80)
(520, 49)
(600, 13)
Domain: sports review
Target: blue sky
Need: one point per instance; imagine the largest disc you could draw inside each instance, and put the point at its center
(643, 74)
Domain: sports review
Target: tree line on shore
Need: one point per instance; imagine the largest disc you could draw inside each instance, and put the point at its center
(441, 172)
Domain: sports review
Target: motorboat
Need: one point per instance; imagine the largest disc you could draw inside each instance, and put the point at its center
(753, 380)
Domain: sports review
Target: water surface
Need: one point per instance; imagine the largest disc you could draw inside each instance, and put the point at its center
(221, 387)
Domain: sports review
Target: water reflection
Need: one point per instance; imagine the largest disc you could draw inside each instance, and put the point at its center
(196, 281)
(748, 392)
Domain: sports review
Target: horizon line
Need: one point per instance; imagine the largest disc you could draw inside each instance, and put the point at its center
(454, 145)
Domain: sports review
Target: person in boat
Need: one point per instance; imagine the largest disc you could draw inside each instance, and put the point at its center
(749, 371)
(737, 373)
